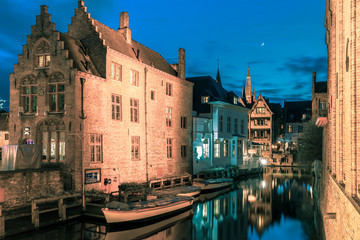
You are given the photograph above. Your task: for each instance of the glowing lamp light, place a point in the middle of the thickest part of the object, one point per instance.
(251, 198)
(263, 161)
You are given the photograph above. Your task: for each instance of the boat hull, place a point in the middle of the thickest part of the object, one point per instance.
(211, 187)
(145, 214)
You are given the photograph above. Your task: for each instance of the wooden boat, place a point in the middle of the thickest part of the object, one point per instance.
(210, 185)
(182, 191)
(139, 232)
(147, 210)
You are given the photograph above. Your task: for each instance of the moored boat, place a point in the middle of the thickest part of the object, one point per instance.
(209, 185)
(146, 210)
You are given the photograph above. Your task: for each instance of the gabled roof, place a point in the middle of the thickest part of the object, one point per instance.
(260, 98)
(116, 41)
(320, 87)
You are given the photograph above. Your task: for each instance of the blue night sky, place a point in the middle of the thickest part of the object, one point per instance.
(282, 41)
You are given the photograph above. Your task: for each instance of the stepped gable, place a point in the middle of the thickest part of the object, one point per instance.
(116, 41)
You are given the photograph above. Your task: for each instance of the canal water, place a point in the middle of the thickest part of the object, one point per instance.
(278, 204)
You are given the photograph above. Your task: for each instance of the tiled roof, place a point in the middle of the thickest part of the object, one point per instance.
(116, 41)
(207, 86)
(295, 110)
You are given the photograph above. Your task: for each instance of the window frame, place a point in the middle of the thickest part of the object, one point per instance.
(169, 89)
(168, 116)
(134, 110)
(169, 148)
(116, 71)
(116, 107)
(183, 122)
(30, 97)
(96, 148)
(58, 94)
(183, 151)
(134, 77)
(135, 146)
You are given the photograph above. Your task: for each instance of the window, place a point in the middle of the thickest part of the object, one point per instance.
(205, 99)
(169, 89)
(152, 95)
(183, 122)
(239, 148)
(57, 97)
(221, 123)
(135, 148)
(217, 148)
(134, 77)
(169, 152)
(206, 148)
(134, 110)
(242, 126)
(42, 60)
(300, 128)
(116, 71)
(6, 136)
(226, 148)
(322, 105)
(116, 107)
(228, 124)
(52, 141)
(183, 151)
(168, 116)
(235, 100)
(96, 148)
(29, 98)
(290, 128)
(235, 125)
(233, 142)
(260, 110)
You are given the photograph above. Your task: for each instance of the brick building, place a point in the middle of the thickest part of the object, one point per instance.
(4, 132)
(340, 182)
(101, 103)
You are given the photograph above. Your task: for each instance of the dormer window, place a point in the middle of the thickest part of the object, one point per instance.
(205, 99)
(43, 60)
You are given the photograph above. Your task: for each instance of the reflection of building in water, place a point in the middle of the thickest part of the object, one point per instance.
(221, 218)
(260, 210)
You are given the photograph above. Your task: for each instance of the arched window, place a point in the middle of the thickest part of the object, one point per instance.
(52, 138)
(42, 55)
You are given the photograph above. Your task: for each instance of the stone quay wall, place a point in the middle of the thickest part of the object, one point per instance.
(21, 187)
(340, 212)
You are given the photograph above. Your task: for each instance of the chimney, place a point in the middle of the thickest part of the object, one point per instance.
(181, 72)
(44, 9)
(124, 26)
(313, 81)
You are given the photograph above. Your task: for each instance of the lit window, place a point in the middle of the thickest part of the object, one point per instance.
(116, 71)
(96, 148)
(206, 148)
(169, 89)
(205, 99)
(135, 148)
(134, 77)
(322, 105)
(43, 60)
(217, 148)
(260, 110)
(116, 107)
(53, 146)
(134, 110)
(226, 148)
(168, 116)
(29, 98)
(235, 100)
(57, 97)
(169, 152)
(290, 128)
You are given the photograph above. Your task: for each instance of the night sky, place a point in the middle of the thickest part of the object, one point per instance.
(282, 41)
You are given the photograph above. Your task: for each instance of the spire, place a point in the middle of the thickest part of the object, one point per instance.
(218, 79)
(248, 88)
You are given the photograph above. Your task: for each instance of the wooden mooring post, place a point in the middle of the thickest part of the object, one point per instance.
(2, 223)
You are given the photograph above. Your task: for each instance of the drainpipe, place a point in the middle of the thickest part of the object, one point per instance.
(82, 117)
(146, 130)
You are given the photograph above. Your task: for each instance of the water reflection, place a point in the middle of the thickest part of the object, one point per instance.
(277, 204)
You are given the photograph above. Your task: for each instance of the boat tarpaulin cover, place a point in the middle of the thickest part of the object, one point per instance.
(22, 156)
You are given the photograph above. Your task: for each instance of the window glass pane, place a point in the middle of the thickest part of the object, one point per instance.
(61, 88)
(34, 90)
(44, 145)
(47, 60)
(53, 146)
(61, 102)
(62, 146)
(53, 102)
(34, 104)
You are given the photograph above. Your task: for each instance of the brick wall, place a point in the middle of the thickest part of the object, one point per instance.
(22, 187)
